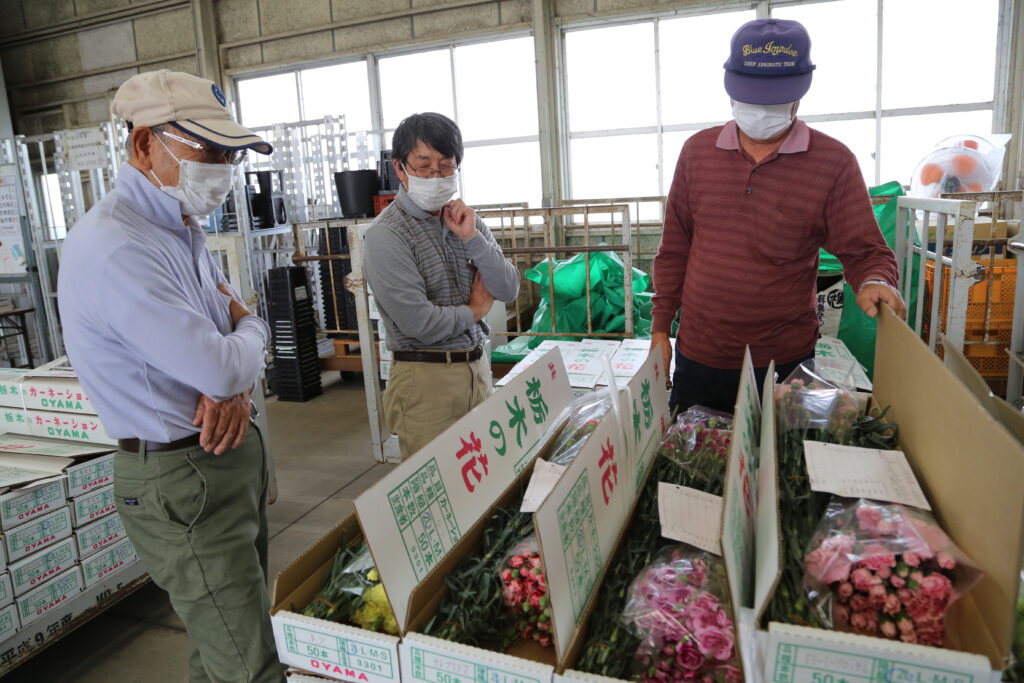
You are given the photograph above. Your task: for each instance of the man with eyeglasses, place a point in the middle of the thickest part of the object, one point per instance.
(169, 354)
(435, 270)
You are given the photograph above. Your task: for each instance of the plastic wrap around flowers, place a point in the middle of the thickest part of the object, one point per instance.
(524, 590)
(885, 570)
(679, 607)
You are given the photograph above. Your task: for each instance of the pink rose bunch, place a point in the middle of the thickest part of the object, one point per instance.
(686, 629)
(885, 570)
(524, 590)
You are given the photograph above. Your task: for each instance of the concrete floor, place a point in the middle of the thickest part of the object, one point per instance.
(322, 453)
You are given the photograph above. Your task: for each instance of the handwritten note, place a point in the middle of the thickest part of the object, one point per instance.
(863, 473)
(691, 516)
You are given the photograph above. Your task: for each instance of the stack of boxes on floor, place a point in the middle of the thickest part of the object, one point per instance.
(60, 533)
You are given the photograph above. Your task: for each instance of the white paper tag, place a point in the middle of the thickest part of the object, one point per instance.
(545, 476)
(863, 473)
(690, 516)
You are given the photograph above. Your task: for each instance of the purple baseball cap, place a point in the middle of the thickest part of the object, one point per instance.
(769, 62)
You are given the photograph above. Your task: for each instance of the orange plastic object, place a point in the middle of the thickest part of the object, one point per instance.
(964, 165)
(930, 173)
(974, 187)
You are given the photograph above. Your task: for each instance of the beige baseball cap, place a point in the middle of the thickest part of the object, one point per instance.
(195, 105)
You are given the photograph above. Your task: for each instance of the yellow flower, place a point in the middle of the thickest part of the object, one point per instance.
(375, 614)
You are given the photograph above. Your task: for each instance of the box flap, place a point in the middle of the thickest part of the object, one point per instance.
(415, 516)
(14, 443)
(961, 368)
(768, 544)
(972, 469)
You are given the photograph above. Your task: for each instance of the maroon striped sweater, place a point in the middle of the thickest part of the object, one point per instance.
(739, 251)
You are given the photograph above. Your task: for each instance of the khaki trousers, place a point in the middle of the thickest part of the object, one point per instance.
(424, 399)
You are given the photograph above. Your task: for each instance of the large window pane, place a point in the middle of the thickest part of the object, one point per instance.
(268, 100)
(502, 173)
(335, 90)
(844, 46)
(671, 146)
(415, 83)
(611, 77)
(938, 52)
(907, 139)
(859, 136)
(692, 52)
(615, 166)
(496, 107)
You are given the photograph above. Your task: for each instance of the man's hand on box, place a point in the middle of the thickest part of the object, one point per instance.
(872, 296)
(224, 425)
(460, 219)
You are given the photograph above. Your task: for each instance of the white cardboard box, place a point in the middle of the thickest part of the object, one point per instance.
(40, 533)
(9, 622)
(50, 387)
(6, 589)
(51, 425)
(111, 560)
(50, 595)
(31, 501)
(100, 534)
(88, 508)
(90, 475)
(38, 568)
(430, 660)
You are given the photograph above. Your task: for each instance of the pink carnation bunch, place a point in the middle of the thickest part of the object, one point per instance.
(524, 591)
(677, 605)
(886, 570)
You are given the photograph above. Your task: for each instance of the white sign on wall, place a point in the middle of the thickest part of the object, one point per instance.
(12, 244)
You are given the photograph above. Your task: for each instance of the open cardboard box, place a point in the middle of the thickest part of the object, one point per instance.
(971, 468)
(579, 525)
(414, 520)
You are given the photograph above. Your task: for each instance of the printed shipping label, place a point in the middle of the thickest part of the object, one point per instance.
(38, 534)
(334, 651)
(40, 567)
(691, 516)
(19, 507)
(9, 622)
(99, 566)
(94, 505)
(90, 475)
(94, 537)
(863, 473)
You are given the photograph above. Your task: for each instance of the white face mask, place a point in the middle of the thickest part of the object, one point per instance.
(201, 187)
(763, 121)
(430, 194)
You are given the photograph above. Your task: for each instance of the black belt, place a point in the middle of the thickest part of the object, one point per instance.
(440, 356)
(135, 445)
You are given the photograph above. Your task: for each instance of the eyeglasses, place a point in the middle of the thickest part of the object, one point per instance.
(211, 155)
(444, 171)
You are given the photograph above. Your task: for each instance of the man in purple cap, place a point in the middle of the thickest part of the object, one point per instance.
(751, 204)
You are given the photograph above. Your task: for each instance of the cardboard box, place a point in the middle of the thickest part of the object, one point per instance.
(9, 622)
(50, 595)
(101, 534)
(92, 506)
(57, 621)
(40, 533)
(113, 559)
(64, 426)
(53, 386)
(40, 567)
(90, 475)
(419, 513)
(29, 502)
(972, 470)
(6, 589)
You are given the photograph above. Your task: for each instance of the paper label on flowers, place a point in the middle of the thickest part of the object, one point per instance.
(415, 515)
(578, 524)
(863, 473)
(545, 476)
(690, 516)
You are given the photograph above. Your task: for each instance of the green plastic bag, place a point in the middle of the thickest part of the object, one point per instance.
(856, 329)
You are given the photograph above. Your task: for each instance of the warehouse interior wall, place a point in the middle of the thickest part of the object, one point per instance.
(63, 59)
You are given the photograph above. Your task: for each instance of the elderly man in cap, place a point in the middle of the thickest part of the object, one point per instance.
(169, 355)
(751, 203)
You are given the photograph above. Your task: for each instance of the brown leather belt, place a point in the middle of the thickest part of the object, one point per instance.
(135, 445)
(440, 356)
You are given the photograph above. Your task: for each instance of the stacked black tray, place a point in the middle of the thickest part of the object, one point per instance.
(290, 308)
(339, 303)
